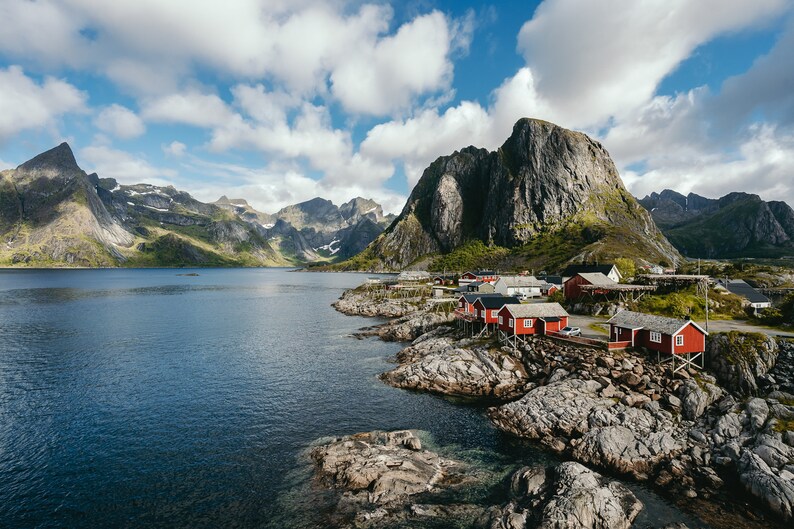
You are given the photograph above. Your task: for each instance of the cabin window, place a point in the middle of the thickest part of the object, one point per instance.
(494, 313)
(679, 340)
(500, 320)
(511, 323)
(656, 337)
(528, 323)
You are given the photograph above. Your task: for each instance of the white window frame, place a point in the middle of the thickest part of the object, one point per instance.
(500, 320)
(679, 340)
(528, 323)
(494, 313)
(655, 337)
(511, 322)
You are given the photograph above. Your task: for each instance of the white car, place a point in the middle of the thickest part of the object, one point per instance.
(571, 331)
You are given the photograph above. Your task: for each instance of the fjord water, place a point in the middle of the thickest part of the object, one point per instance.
(147, 397)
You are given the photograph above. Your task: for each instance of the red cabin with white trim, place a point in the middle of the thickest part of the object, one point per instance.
(532, 318)
(657, 333)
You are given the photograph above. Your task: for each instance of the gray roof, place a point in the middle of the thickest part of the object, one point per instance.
(474, 296)
(741, 288)
(638, 320)
(496, 302)
(596, 278)
(520, 281)
(572, 270)
(537, 310)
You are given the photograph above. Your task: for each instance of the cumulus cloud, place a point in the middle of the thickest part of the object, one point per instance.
(384, 77)
(596, 60)
(147, 46)
(28, 104)
(191, 108)
(120, 122)
(175, 148)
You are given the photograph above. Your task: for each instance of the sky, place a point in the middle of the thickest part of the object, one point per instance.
(280, 101)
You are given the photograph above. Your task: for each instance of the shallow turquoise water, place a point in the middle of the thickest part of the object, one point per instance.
(143, 397)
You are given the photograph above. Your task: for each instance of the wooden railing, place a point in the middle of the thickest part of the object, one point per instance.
(618, 345)
(578, 339)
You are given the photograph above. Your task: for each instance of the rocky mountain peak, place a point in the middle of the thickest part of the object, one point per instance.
(55, 162)
(545, 182)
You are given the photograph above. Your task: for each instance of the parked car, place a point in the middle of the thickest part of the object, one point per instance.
(571, 331)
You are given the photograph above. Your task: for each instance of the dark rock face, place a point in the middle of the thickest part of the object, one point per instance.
(739, 360)
(543, 179)
(736, 225)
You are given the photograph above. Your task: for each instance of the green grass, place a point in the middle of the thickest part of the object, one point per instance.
(687, 302)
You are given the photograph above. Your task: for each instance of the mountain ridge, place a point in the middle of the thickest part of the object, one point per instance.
(52, 213)
(737, 224)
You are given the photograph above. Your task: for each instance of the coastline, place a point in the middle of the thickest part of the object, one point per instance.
(691, 484)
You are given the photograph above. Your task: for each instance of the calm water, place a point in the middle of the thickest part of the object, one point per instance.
(141, 397)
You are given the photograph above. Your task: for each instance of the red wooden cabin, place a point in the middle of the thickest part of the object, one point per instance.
(486, 309)
(485, 276)
(657, 333)
(571, 287)
(532, 318)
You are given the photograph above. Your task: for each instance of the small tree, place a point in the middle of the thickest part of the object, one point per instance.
(626, 267)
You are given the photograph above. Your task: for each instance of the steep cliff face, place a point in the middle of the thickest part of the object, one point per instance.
(736, 225)
(546, 186)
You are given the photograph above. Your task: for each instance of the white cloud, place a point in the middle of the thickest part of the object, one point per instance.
(763, 164)
(26, 104)
(191, 108)
(123, 166)
(175, 148)
(120, 122)
(385, 77)
(148, 46)
(596, 60)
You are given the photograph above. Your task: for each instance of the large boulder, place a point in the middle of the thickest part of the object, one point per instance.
(697, 395)
(570, 496)
(766, 483)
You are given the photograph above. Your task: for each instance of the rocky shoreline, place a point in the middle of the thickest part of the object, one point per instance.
(692, 434)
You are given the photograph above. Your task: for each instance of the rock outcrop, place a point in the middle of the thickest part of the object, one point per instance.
(569, 496)
(544, 182)
(570, 416)
(739, 360)
(443, 365)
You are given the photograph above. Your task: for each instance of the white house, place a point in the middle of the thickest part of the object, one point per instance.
(528, 286)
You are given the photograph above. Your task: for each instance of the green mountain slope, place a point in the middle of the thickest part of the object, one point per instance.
(736, 225)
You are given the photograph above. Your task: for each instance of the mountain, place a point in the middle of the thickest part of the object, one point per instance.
(546, 197)
(52, 213)
(736, 225)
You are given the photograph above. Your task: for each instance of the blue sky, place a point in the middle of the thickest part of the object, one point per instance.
(279, 101)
